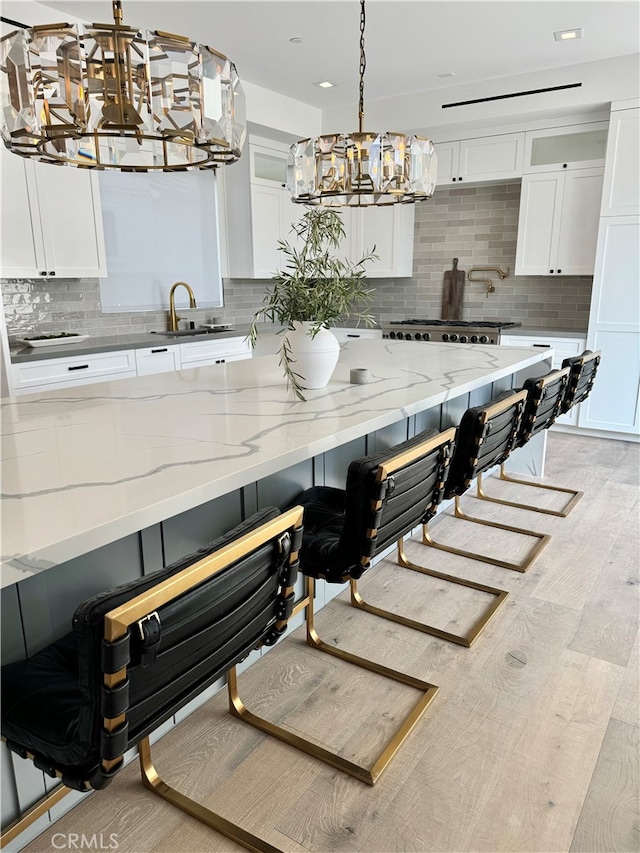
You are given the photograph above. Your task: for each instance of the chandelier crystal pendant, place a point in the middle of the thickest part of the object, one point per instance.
(108, 96)
(362, 169)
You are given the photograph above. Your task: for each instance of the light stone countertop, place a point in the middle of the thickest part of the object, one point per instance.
(87, 466)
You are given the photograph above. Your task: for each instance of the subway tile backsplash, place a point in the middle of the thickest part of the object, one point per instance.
(478, 225)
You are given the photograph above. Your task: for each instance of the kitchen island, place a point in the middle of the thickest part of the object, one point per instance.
(85, 468)
(105, 483)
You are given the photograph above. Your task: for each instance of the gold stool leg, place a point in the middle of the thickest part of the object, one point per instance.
(543, 539)
(152, 781)
(37, 810)
(563, 513)
(461, 639)
(364, 774)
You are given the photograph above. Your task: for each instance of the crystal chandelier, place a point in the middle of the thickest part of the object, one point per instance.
(108, 96)
(362, 169)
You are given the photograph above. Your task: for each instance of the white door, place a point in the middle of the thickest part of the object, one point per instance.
(539, 223)
(621, 194)
(579, 220)
(22, 242)
(614, 328)
(448, 154)
(71, 217)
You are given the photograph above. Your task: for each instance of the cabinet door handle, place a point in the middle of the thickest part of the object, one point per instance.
(551, 271)
(43, 272)
(547, 346)
(352, 336)
(78, 367)
(459, 179)
(52, 272)
(559, 271)
(159, 350)
(454, 179)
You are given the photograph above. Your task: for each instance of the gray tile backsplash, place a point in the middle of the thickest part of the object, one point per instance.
(477, 225)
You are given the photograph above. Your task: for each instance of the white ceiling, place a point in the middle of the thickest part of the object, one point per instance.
(408, 42)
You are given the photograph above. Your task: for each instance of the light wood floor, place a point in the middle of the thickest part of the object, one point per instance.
(531, 743)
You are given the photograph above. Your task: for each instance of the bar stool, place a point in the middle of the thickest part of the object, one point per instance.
(545, 396)
(485, 438)
(583, 373)
(138, 653)
(387, 494)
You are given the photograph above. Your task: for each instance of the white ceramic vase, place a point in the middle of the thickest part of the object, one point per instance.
(313, 359)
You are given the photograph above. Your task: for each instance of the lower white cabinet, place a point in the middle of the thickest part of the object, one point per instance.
(157, 359)
(31, 377)
(202, 353)
(48, 374)
(563, 348)
(344, 334)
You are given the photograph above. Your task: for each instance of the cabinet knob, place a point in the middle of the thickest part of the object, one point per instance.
(564, 165)
(53, 272)
(551, 271)
(459, 179)
(454, 179)
(43, 272)
(559, 271)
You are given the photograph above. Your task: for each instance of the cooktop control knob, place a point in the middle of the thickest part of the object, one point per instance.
(408, 336)
(392, 335)
(474, 339)
(426, 336)
(445, 336)
(484, 339)
(464, 339)
(418, 336)
(453, 337)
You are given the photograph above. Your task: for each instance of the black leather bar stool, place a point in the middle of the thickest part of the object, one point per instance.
(545, 396)
(485, 437)
(583, 373)
(387, 495)
(140, 652)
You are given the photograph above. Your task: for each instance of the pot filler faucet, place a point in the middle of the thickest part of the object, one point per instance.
(173, 318)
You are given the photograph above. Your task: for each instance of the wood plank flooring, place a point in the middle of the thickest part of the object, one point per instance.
(531, 744)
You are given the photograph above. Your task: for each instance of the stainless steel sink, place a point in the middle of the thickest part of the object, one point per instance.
(189, 333)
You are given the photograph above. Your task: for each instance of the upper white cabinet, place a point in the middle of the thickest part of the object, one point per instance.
(558, 223)
(621, 190)
(51, 221)
(388, 231)
(487, 158)
(259, 212)
(572, 147)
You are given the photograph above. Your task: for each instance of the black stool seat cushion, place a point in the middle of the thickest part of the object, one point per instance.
(51, 702)
(337, 521)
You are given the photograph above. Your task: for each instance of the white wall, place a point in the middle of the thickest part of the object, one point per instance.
(602, 82)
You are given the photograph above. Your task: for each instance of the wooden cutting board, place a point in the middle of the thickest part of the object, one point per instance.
(453, 293)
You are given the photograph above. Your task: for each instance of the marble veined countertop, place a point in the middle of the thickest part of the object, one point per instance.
(87, 466)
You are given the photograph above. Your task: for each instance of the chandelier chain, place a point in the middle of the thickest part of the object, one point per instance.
(363, 65)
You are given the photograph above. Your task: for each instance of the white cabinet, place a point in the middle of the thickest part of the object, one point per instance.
(390, 230)
(621, 190)
(259, 212)
(47, 374)
(51, 221)
(614, 328)
(159, 359)
(345, 334)
(579, 146)
(486, 158)
(558, 223)
(562, 348)
(202, 353)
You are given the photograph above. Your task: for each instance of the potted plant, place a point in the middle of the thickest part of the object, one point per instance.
(313, 291)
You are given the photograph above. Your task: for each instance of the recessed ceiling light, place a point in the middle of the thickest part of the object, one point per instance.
(296, 40)
(447, 74)
(326, 84)
(567, 35)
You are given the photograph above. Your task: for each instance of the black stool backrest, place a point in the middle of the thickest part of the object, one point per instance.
(583, 373)
(390, 493)
(545, 396)
(146, 648)
(485, 437)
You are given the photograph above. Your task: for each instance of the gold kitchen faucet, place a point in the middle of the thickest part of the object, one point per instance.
(173, 318)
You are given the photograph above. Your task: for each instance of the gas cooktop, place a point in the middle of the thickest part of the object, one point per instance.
(478, 324)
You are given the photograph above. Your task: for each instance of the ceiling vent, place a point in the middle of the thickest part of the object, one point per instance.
(512, 95)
